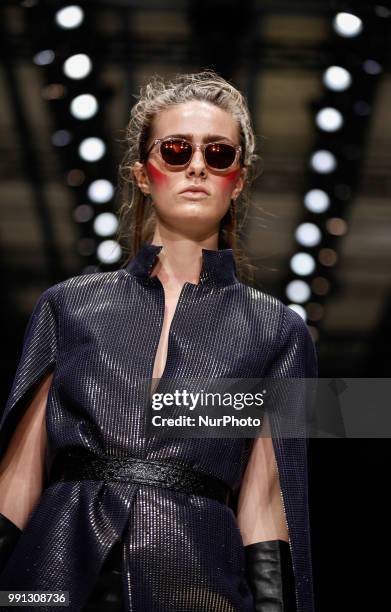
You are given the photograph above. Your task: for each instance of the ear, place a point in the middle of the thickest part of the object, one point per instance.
(141, 177)
(240, 182)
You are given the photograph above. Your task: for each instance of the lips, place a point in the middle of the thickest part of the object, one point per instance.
(195, 190)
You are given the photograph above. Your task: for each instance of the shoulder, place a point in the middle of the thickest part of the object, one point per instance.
(81, 286)
(292, 349)
(277, 316)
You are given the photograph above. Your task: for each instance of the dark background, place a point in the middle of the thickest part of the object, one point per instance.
(276, 52)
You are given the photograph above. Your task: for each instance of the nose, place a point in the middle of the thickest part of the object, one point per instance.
(197, 165)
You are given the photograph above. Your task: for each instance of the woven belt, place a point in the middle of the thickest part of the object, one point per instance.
(79, 464)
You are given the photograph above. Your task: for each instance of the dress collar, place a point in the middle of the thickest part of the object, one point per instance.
(218, 266)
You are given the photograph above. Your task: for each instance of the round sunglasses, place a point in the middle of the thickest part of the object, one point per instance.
(177, 152)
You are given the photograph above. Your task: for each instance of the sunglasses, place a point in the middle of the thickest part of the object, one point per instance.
(177, 152)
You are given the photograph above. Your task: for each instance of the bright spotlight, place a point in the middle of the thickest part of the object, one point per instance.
(91, 149)
(316, 200)
(323, 161)
(347, 24)
(337, 78)
(298, 291)
(308, 234)
(69, 17)
(84, 106)
(109, 251)
(329, 119)
(302, 264)
(100, 191)
(77, 66)
(105, 224)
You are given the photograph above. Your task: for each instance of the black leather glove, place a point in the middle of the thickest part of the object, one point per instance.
(269, 573)
(9, 535)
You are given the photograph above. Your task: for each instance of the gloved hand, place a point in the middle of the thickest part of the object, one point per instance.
(9, 535)
(269, 573)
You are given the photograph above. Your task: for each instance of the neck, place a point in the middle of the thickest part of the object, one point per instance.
(218, 266)
(181, 259)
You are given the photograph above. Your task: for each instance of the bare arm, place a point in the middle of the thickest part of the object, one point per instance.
(23, 465)
(260, 513)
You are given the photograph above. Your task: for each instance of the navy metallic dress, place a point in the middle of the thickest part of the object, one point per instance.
(100, 333)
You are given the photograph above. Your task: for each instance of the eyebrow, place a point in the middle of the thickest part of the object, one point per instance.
(207, 138)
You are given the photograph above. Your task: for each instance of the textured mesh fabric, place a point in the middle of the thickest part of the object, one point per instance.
(99, 333)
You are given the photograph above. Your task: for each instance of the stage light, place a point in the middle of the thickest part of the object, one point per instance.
(44, 57)
(316, 200)
(320, 285)
(308, 234)
(61, 138)
(329, 119)
(298, 291)
(77, 66)
(105, 224)
(91, 149)
(327, 257)
(323, 161)
(100, 191)
(83, 213)
(302, 264)
(336, 226)
(109, 251)
(361, 108)
(347, 24)
(84, 106)
(54, 91)
(371, 66)
(299, 309)
(314, 311)
(75, 177)
(337, 78)
(69, 17)
(382, 11)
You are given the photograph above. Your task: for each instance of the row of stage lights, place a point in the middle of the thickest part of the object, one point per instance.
(324, 162)
(83, 107)
(329, 119)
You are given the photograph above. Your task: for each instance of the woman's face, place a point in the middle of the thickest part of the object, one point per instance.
(200, 122)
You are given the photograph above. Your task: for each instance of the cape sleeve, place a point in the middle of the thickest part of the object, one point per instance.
(295, 358)
(38, 356)
(296, 355)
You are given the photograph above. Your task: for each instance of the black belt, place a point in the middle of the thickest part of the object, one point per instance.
(79, 464)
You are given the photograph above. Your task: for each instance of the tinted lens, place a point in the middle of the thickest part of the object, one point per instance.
(175, 152)
(220, 155)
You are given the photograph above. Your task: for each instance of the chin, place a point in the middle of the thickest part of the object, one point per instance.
(200, 220)
(189, 209)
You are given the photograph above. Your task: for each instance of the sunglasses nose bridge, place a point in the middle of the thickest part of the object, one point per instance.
(198, 155)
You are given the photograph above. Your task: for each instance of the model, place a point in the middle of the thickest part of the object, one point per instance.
(93, 504)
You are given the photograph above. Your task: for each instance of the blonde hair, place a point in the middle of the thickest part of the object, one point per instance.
(137, 218)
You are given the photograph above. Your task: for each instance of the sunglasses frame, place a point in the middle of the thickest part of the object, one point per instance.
(195, 147)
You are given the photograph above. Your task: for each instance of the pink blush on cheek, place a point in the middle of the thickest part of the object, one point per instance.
(158, 177)
(228, 179)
